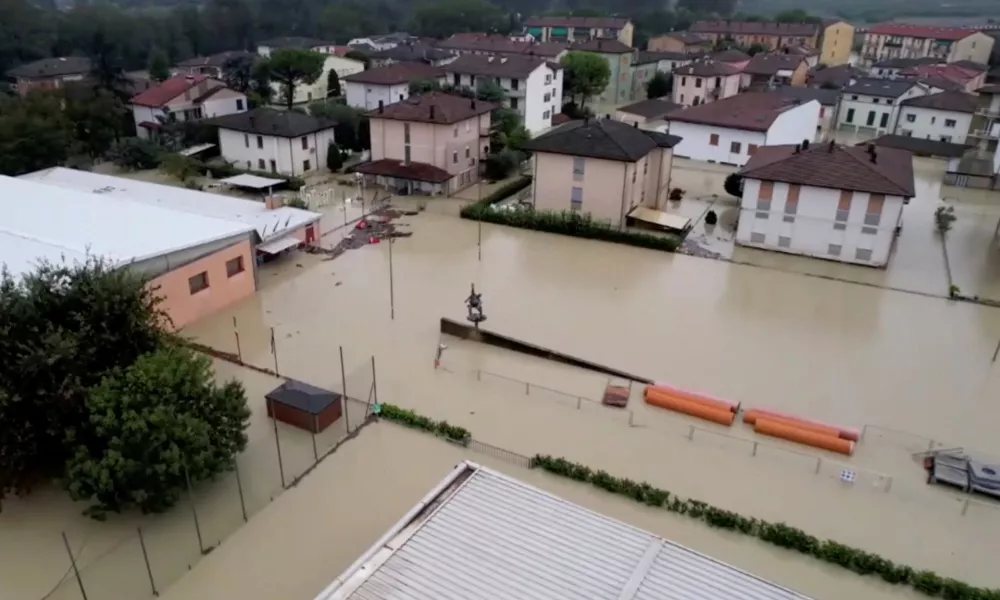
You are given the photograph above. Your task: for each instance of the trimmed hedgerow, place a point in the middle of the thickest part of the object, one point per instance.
(408, 418)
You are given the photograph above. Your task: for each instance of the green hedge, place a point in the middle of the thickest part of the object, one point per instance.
(777, 534)
(568, 223)
(507, 190)
(408, 418)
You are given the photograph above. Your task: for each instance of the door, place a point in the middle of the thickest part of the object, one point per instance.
(871, 118)
(310, 234)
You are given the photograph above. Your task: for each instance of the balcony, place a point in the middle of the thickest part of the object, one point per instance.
(988, 113)
(986, 134)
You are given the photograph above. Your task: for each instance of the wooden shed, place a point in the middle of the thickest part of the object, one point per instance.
(304, 406)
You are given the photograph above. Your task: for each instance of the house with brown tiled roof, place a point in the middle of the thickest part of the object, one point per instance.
(731, 130)
(767, 70)
(575, 29)
(769, 34)
(704, 81)
(826, 201)
(388, 84)
(213, 65)
(944, 117)
(428, 144)
(483, 43)
(183, 98)
(681, 42)
(947, 44)
(49, 73)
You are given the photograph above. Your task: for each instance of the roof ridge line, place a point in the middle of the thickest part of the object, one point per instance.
(868, 165)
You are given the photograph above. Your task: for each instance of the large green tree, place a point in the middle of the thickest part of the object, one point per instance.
(585, 75)
(159, 65)
(442, 18)
(34, 134)
(293, 67)
(156, 426)
(659, 85)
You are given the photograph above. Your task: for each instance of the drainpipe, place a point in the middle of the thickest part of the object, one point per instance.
(659, 177)
(621, 218)
(291, 155)
(534, 183)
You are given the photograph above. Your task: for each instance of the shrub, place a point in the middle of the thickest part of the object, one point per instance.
(506, 191)
(711, 218)
(944, 217)
(500, 165)
(334, 159)
(135, 154)
(676, 194)
(733, 185)
(408, 418)
(297, 203)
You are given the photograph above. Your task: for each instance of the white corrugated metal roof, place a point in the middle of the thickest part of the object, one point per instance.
(497, 538)
(268, 223)
(40, 221)
(252, 181)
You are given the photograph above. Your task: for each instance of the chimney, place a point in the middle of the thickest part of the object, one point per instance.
(381, 106)
(489, 60)
(473, 104)
(272, 202)
(805, 144)
(874, 155)
(798, 148)
(833, 145)
(432, 112)
(503, 60)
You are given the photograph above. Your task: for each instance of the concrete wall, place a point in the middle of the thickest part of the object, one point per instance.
(930, 124)
(288, 154)
(366, 96)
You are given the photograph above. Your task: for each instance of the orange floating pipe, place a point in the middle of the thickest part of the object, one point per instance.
(690, 407)
(843, 433)
(752, 416)
(696, 396)
(791, 433)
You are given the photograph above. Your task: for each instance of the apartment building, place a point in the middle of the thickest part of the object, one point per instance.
(944, 116)
(483, 43)
(681, 42)
(619, 57)
(580, 29)
(279, 141)
(418, 52)
(874, 103)
(769, 34)
(829, 101)
(183, 98)
(836, 43)
(946, 44)
(385, 85)
(705, 81)
(765, 71)
(985, 130)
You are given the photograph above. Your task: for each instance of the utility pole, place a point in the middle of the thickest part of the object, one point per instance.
(392, 292)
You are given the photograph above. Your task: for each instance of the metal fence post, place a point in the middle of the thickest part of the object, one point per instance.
(239, 350)
(343, 401)
(313, 432)
(239, 488)
(374, 382)
(194, 511)
(76, 571)
(145, 557)
(277, 443)
(274, 352)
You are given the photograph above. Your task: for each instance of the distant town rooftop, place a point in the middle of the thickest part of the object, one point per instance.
(433, 107)
(587, 22)
(952, 34)
(749, 111)
(481, 535)
(755, 28)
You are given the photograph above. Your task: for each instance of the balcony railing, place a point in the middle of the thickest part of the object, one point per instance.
(985, 134)
(986, 112)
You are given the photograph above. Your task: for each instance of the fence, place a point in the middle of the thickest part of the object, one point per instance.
(133, 556)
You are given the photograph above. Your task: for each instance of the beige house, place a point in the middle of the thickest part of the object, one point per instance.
(428, 144)
(705, 81)
(680, 41)
(771, 35)
(836, 42)
(647, 114)
(578, 29)
(948, 44)
(601, 167)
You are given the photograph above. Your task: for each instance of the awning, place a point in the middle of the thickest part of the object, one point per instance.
(194, 150)
(280, 244)
(660, 219)
(253, 182)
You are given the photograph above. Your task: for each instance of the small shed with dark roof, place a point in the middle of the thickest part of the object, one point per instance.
(304, 406)
(920, 147)
(60, 66)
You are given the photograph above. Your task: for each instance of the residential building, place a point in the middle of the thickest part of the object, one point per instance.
(601, 167)
(944, 116)
(483, 43)
(731, 130)
(533, 85)
(212, 66)
(278, 141)
(834, 78)
(732, 57)
(948, 44)
(666, 62)
(768, 34)
(644, 68)
(892, 68)
(648, 114)
(765, 71)
(428, 144)
(385, 85)
(49, 73)
(705, 81)
(619, 58)
(266, 47)
(183, 98)
(809, 55)
(580, 29)
(198, 250)
(952, 75)
(874, 103)
(681, 42)
(411, 52)
(317, 90)
(826, 201)
(829, 101)
(382, 42)
(836, 41)
(985, 130)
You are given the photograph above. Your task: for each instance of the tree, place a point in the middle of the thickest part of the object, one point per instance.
(660, 85)
(98, 118)
(733, 185)
(490, 91)
(237, 72)
(585, 76)
(156, 426)
(159, 66)
(135, 154)
(359, 56)
(332, 84)
(347, 122)
(422, 86)
(334, 159)
(106, 65)
(64, 328)
(508, 131)
(293, 67)
(441, 18)
(34, 133)
(756, 49)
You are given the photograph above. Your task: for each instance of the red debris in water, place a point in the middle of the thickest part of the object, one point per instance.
(373, 240)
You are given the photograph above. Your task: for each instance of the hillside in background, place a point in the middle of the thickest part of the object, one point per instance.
(936, 12)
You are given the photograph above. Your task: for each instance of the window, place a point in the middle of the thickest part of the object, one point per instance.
(239, 104)
(751, 148)
(697, 82)
(513, 103)
(843, 210)
(946, 138)
(260, 164)
(911, 118)
(766, 191)
(260, 143)
(234, 266)
(246, 140)
(713, 140)
(757, 238)
(833, 249)
(576, 199)
(735, 147)
(933, 120)
(468, 126)
(885, 120)
(949, 123)
(822, 112)
(863, 254)
(854, 97)
(457, 80)
(455, 133)
(454, 157)
(406, 154)
(850, 115)
(198, 283)
(406, 133)
(305, 165)
(546, 114)
(578, 168)
(468, 153)
(784, 242)
(305, 143)
(274, 166)
(548, 97)
(645, 165)
(684, 81)
(682, 98)
(875, 101)
(514, 82)
(871, 118)
(792, 203)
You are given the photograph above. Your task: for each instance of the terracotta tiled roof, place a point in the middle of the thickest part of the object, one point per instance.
(653, 108)
(770, 64)
(498, 44)
(946, 71)
(415, 171)
(690, 39)
(730, 56)
(396, 73)
(750, 111)
(825, 97)
(215, 60)
(919, 146)
(707, 68)
(433, 107)
(589, 22)
(601, 46)
(755, 28)
(921, 31)
(881, 88)
(606, 139)
(840, 76)
(859, 168)
(649, 55)
(489, 65)
(412, 52)
(950, 101)
(52, 67)
(157, 96)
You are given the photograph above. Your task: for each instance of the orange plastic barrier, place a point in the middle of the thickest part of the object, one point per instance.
(697, 397)
(791, 433)
(751, 416)
(689, 407)
(843, 433)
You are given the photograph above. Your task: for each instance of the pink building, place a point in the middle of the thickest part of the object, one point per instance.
(602, 167)
(705, 81)
(429, 144)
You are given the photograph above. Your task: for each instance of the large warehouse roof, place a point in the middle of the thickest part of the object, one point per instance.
(45, 222)
(268, 223)
(483, 536)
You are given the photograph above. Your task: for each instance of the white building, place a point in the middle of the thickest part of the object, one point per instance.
(731, 130)
(827, 201)
(482, 534)
(317, 90)
(183, 98)
(415, 52)
(901, 40)
(277, 141)
(386, 85)
(533, 85)
(382, 42)
(874, 103)
(828, 100)
(266, 47)
(945, 116)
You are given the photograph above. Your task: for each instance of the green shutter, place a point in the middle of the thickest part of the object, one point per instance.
(559, 32)
(535, 31)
